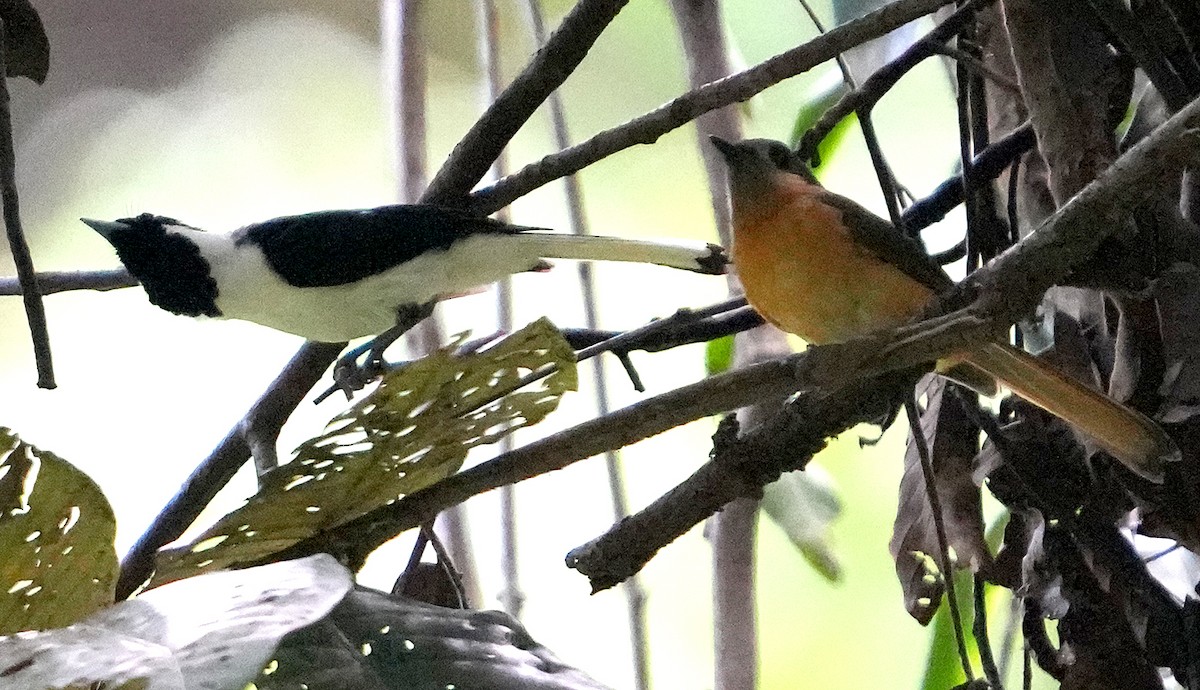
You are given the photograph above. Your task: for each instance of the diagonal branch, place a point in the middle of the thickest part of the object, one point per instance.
(736, 88)
(550, 67)
(1005, 289)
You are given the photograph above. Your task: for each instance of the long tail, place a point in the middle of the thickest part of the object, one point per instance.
(1128, 435)
(696, 256)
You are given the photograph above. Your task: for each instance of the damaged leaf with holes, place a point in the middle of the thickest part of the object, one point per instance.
(377, 641)
(57, 562)
(213, 632)
(413, 430)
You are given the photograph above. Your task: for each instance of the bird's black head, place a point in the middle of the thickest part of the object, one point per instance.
(168, 264)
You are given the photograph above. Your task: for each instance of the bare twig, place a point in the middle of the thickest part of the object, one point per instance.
(35, 311)
(976, 65)
(647, 128)
(879, 83)
(979, 630)
(986, 166)
(548, 69)
(50, 282)
(731, 532)
(512, 598)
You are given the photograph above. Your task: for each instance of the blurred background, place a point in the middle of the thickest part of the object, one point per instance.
(224, 112)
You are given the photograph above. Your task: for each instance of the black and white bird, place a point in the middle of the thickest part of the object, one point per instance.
(337, 275)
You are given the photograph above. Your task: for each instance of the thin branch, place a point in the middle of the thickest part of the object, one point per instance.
(736, 88)
(50, 282)
(730, 533)
(986, 166)
(548, 69)
(512, 598)
(939, 526)
(882, 81)
(35, 311)
(976, 66)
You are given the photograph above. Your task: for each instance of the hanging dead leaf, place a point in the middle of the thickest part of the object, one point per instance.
(953, 440)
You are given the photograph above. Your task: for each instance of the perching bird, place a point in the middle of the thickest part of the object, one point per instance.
(820, 266)
(337, 275)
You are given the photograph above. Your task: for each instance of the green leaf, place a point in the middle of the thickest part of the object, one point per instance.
(805, 504)
(412, 431)
(718, 355)
(57, 562)
(822, 98)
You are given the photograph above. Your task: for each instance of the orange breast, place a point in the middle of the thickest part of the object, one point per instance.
(802, 271)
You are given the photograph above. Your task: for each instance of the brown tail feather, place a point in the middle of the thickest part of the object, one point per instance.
(1128, 435)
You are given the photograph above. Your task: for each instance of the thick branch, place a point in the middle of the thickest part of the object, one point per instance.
(1046, 255)
(739, 87)
(785, 441)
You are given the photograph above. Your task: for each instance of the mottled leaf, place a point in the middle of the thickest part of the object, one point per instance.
(805, 504)
(953, 440)
(374, 641)
(211, 632)
(412, 431)
(57, 561)
(26, 48)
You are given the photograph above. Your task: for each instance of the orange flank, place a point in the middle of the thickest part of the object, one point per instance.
(820, 266)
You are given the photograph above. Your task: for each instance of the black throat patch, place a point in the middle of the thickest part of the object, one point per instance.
(169, 266)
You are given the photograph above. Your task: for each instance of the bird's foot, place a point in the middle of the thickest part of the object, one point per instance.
(351, 376)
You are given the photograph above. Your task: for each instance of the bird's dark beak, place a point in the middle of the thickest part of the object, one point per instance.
(106, 228)
(727, 149)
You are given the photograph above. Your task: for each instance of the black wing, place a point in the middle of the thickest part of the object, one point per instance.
(330, 248)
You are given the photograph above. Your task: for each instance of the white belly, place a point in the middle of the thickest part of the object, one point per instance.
(252, 292)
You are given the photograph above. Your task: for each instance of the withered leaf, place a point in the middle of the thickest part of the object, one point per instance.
(953, 440)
